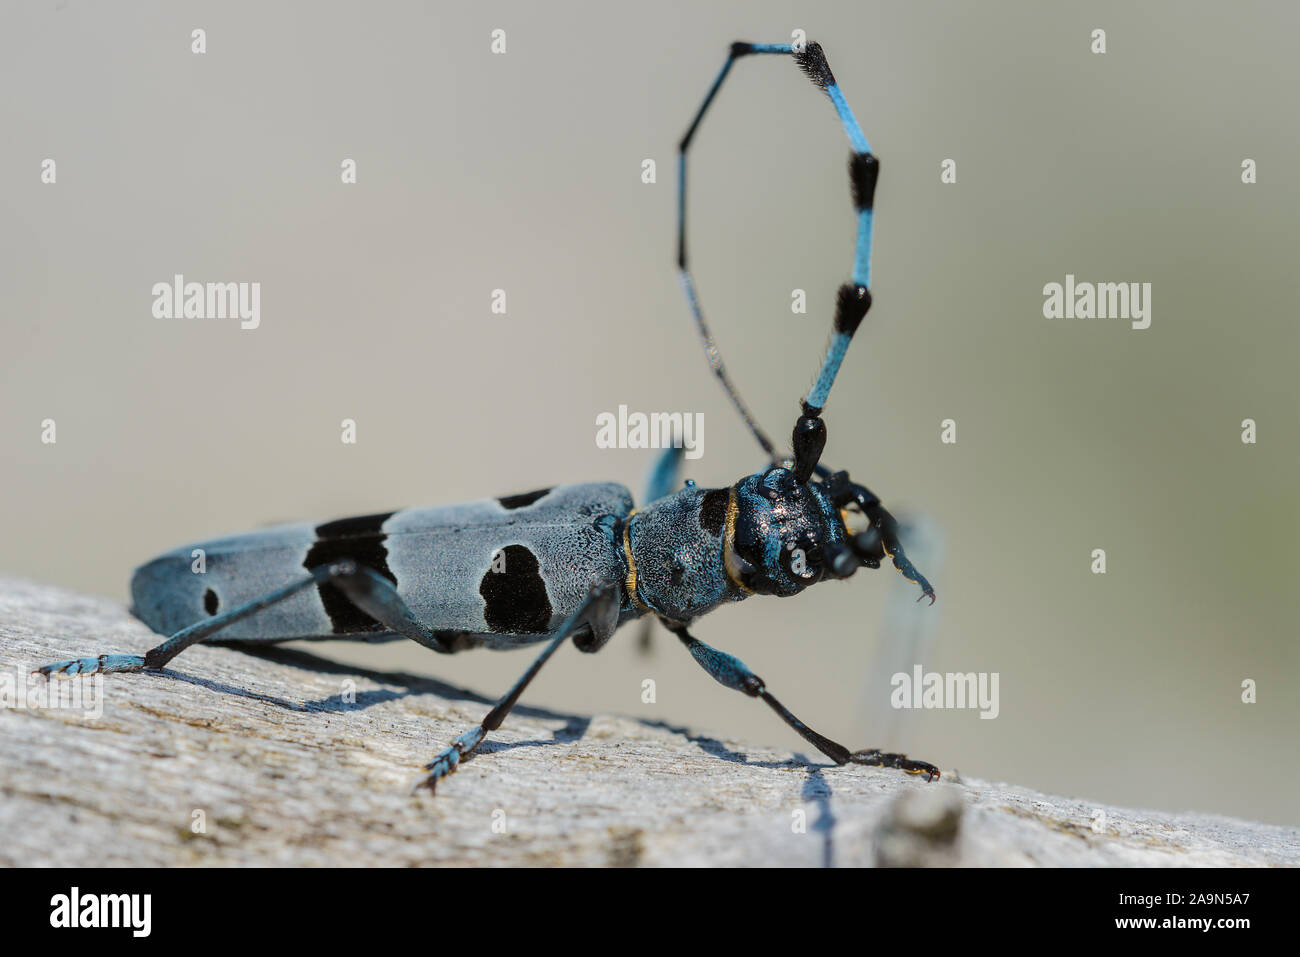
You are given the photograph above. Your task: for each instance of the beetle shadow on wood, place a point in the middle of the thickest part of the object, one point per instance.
(408, 684)
(816, 789)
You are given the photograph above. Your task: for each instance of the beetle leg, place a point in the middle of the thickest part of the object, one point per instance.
(731, 672)
(375, 595)
(366, 588)
(881, 538)
(874, 757)
(173, 646)
(887, 528)
(664, 474)
(594, 612)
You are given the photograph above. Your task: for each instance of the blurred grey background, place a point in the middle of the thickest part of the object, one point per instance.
(522, 171)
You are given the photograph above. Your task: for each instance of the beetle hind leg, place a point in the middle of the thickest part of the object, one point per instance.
(366, 588)
(158, 657)
(101, 665)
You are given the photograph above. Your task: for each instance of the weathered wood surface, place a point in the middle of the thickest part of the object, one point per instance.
(282, 765)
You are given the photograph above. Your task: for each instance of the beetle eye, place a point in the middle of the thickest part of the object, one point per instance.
(803, 559)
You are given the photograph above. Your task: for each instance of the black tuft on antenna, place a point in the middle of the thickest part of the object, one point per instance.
(813, 62)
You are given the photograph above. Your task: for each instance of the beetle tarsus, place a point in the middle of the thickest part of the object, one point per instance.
(101, 664)
(874, 757)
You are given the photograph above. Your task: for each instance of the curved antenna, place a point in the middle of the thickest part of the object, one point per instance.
(853, 299)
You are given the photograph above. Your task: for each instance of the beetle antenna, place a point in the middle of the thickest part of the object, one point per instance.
(853, 299)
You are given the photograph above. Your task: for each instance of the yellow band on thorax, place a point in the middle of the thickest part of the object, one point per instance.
(728, 546)
(631, 563)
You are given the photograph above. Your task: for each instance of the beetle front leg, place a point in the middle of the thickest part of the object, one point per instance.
(731, 672)
(881, 539)
(874, 757)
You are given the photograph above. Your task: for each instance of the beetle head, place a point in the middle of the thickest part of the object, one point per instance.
(782, 534)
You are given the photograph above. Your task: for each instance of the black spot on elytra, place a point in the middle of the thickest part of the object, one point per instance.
(516, 601)
(210, 602)
(522, 500)
(362, 540)
(713, 510)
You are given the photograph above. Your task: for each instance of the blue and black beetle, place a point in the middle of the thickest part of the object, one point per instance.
(575, 561)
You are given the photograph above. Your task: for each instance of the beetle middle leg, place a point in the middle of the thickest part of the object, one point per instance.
(731, 672)
(664, 474)
(599, 612)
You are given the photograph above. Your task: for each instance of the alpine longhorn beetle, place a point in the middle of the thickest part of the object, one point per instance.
(574, 561)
